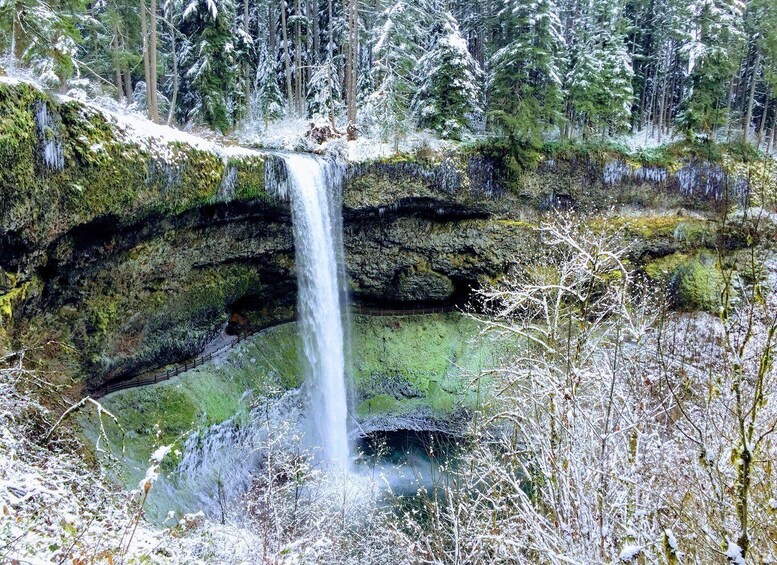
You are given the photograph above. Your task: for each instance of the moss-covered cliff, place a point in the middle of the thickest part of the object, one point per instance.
(110, 240)
(122, 252)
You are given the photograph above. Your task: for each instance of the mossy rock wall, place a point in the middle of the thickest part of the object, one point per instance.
(119, 255)
(118, 249)
(98, 171)
(405, 371)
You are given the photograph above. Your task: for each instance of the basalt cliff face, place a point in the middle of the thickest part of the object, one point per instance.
(120, 253)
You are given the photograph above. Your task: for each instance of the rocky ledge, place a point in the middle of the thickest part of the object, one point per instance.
(121, 252)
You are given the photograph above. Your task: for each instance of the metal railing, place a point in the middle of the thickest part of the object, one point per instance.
(158, 375)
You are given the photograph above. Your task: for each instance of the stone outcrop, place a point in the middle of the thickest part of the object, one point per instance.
(118, 254)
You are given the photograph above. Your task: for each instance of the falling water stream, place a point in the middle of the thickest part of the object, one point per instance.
(314, 190)
(219, 464)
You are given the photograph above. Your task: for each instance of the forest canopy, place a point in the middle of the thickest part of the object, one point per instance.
(525, 69)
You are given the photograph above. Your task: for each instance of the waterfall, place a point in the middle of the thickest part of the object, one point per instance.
(313, 187)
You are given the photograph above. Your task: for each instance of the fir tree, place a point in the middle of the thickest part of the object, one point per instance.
(208, 62)
(449, 94)
(43, 36)
(526, 73)
(267, 97)
(600, 80)
(394, 56)
(713, 63)
(324, 92)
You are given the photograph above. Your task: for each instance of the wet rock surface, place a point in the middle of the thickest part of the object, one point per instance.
(116, 257)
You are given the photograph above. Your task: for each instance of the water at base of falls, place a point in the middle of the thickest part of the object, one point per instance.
(313, 187)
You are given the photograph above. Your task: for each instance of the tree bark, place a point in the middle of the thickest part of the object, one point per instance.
(351, 79)
(330, 56)
(751, 95)
(17, 42)
(126, 72)
(154, 106)
(246, 65)
(174, 54)
(117, 65)
(762, 127)
(149, 59)
(313, 13)
(298, 56)
(146, 59)
(286, 57)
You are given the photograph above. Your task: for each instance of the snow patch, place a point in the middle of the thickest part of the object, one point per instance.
(630, 552)
(734, 554)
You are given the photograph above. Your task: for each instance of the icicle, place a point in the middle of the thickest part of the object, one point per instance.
(227, 188)
(52, 151)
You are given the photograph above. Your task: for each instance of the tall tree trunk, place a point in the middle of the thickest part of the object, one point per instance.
(762, 127)
(174, 55)
(146, 58)
(117, 65)
(313, 13)
(652, 104)
(351, 79)
(286, 57)
(662, 118)
(154, 106)
(271, 27)
(17, 33)
(246, 65)
(729, 102)
(298, 56)
(751, 95)
(126, 72)
(330, 51)
(480, 48)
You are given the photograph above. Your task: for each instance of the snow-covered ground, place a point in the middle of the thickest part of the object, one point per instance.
(54, 508)
(289, 134)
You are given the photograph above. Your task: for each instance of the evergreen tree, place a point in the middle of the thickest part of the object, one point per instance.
(43, 36)
(395, 53)
(600, 79)
(267, 97)
(660, 33)
(244, 56)
(526, 73)
(208, 63)
(449, 94)
(324, 92)
(713, 63)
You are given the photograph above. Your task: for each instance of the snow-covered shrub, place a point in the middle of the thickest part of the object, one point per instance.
(619, 432)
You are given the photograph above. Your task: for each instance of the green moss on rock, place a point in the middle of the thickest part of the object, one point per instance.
(104, 173)
(698, 284)
(423, 363)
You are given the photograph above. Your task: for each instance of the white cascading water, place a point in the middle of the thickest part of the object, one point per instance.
(314, 191)
(219, 464)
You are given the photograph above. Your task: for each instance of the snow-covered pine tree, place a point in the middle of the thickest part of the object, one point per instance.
(395, 53)
(268, 100)
(43, 36)
(208, 62)
(660, 61)
(105, 33)
(526, 73)
(713, 60)
(324, 93)
(245, 55)
(767, 43)
(599, 86)
(449, 95)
